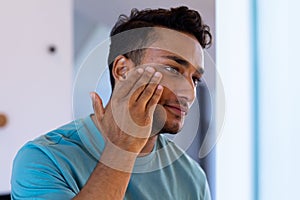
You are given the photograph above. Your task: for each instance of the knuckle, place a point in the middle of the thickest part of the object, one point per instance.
(157, 94)
(148, 91)
(133, 105)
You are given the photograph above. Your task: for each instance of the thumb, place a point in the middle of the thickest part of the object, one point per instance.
(97, 105)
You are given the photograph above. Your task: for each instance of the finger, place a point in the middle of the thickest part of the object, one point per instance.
(155, 97)
(97, 105)
(141, 84)
(150, 89)
(125, 86)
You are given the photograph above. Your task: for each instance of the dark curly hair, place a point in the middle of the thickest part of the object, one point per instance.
(181, 19)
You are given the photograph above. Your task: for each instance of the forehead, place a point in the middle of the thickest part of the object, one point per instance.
(183, 45)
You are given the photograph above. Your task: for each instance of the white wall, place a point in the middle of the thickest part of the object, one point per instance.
(234, 172)
(35, 86)
(278, 25)
(260, 73)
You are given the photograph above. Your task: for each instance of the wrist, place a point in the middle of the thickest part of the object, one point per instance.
(117, 158)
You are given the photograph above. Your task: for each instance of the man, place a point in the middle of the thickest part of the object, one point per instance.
(120, 152)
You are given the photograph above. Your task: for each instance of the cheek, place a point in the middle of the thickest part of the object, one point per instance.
(169, 82)
(172, 82)
(177, 85)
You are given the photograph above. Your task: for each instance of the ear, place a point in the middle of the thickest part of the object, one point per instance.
(121, 67)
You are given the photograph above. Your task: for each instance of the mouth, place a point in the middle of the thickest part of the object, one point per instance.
(177, 109)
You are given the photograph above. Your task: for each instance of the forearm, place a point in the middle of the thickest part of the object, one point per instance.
(110, 177)
(134, 107)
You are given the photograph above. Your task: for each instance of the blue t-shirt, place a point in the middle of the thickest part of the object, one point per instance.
(57, 166)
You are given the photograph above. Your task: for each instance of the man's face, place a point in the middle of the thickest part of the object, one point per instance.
(179, 80)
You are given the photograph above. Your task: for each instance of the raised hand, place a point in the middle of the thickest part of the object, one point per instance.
(127, 119)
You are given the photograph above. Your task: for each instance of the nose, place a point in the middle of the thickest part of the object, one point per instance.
(186, 90)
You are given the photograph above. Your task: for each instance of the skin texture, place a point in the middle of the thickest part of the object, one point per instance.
(161, 89)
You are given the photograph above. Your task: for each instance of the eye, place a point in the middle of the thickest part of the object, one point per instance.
(172, 69)
(197, 81)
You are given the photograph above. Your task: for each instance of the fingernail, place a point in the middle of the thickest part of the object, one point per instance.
(92, 95)
(157, 74)
(159, 87)
(150, 69)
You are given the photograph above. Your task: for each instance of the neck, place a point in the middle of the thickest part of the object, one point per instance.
(149, 146)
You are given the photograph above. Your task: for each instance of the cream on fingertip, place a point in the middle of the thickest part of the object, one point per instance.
(140, 70)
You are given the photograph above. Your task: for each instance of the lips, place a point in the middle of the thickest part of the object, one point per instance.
(177, 109)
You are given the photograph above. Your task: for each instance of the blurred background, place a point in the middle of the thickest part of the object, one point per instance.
(50, 55)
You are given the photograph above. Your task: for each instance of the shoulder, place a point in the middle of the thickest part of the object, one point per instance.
(33, 169)
(55, 144)
(44, 160)
(67, 132)
(37, 150)
(42, 151)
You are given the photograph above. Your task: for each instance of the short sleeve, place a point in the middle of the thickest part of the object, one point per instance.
(35, 176)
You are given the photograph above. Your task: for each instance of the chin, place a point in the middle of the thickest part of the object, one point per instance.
(168, 127)
(172, 128)
(165, 122)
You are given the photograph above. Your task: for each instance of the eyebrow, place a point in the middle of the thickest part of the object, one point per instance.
(183, 62)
